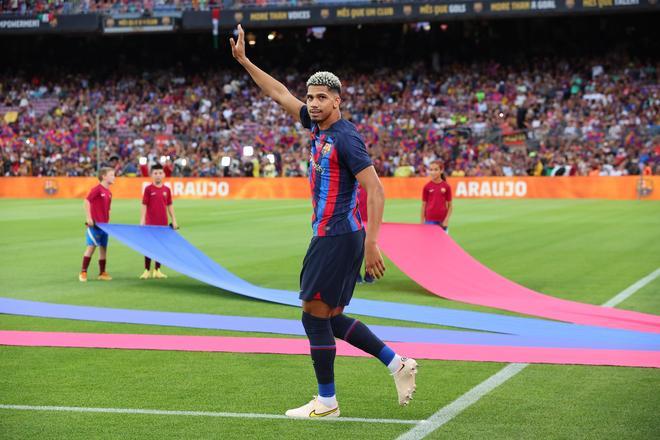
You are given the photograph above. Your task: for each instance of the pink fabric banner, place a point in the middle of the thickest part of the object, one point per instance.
(455, 352)
(434, 261)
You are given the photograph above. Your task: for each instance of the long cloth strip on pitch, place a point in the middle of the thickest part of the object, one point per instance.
(618, 340)
(171, 249)
(436, 262)
(458, 352)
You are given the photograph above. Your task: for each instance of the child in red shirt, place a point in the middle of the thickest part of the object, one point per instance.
(436, 198)
(156, 205)
(97, 210)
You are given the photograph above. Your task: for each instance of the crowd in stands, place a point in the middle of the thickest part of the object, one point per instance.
(25, 7)
(548, 117)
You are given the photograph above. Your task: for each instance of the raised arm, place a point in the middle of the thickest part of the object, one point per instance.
(269, 85)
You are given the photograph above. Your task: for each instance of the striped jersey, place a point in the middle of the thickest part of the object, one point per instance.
(337, 155)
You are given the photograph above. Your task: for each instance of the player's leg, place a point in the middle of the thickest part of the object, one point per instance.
(318, 289)
(91, 242)
(102, 238)
(359, 335)
(158, 273)
(356, 333)
(316, 321)
(87, 258)
(147, 269)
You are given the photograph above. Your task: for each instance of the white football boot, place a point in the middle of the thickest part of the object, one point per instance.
(404, 379)
(313, 409)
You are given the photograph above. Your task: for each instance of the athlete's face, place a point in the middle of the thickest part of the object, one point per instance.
(435, 171)
(109, 177)
(157, 176)
(321, 102)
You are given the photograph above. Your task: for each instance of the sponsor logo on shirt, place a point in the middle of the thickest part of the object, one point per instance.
(317, 167)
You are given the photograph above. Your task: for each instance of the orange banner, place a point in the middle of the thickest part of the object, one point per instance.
(616, 188)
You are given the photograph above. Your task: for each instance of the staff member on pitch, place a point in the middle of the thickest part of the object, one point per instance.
(338, 161)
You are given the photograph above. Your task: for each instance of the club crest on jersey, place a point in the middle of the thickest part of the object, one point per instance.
(326, 148)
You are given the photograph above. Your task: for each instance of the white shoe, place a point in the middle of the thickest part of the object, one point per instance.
(313, 409)
(404, 379)
(158, 274)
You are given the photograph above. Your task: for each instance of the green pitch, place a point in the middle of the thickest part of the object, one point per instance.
(581, 250)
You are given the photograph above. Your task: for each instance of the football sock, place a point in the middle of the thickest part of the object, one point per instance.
(101, 266)
(395, 363)
(85, 263)
(330, 402)
(323, 351)
(157, 265)
(358, 335)
(147, 263)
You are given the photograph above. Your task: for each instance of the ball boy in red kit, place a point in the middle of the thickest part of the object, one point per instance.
(436, 198)
(156, 205)
(97, 210)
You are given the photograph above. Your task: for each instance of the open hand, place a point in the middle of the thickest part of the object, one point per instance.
(374, 263)
(238, 47)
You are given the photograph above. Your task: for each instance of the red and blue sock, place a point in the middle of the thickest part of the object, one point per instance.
(358, 335)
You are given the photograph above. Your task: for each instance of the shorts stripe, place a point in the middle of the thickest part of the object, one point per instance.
(91, 236)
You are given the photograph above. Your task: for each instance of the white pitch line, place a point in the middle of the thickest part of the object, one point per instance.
(232, 415)
(447, 413)
(632, 289)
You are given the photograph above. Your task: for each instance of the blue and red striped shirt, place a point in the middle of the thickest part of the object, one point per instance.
(337, 155)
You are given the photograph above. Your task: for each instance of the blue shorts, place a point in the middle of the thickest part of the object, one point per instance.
(331, 268)
(429, 222)
(96, 237)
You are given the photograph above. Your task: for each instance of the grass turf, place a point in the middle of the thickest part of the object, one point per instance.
(581, 250)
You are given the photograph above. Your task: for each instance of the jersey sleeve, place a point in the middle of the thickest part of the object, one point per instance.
(168, 202)
(305, 119)
(145, 197)
(353, 153)
(93, 193)
(425, 194)
(448, 196)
